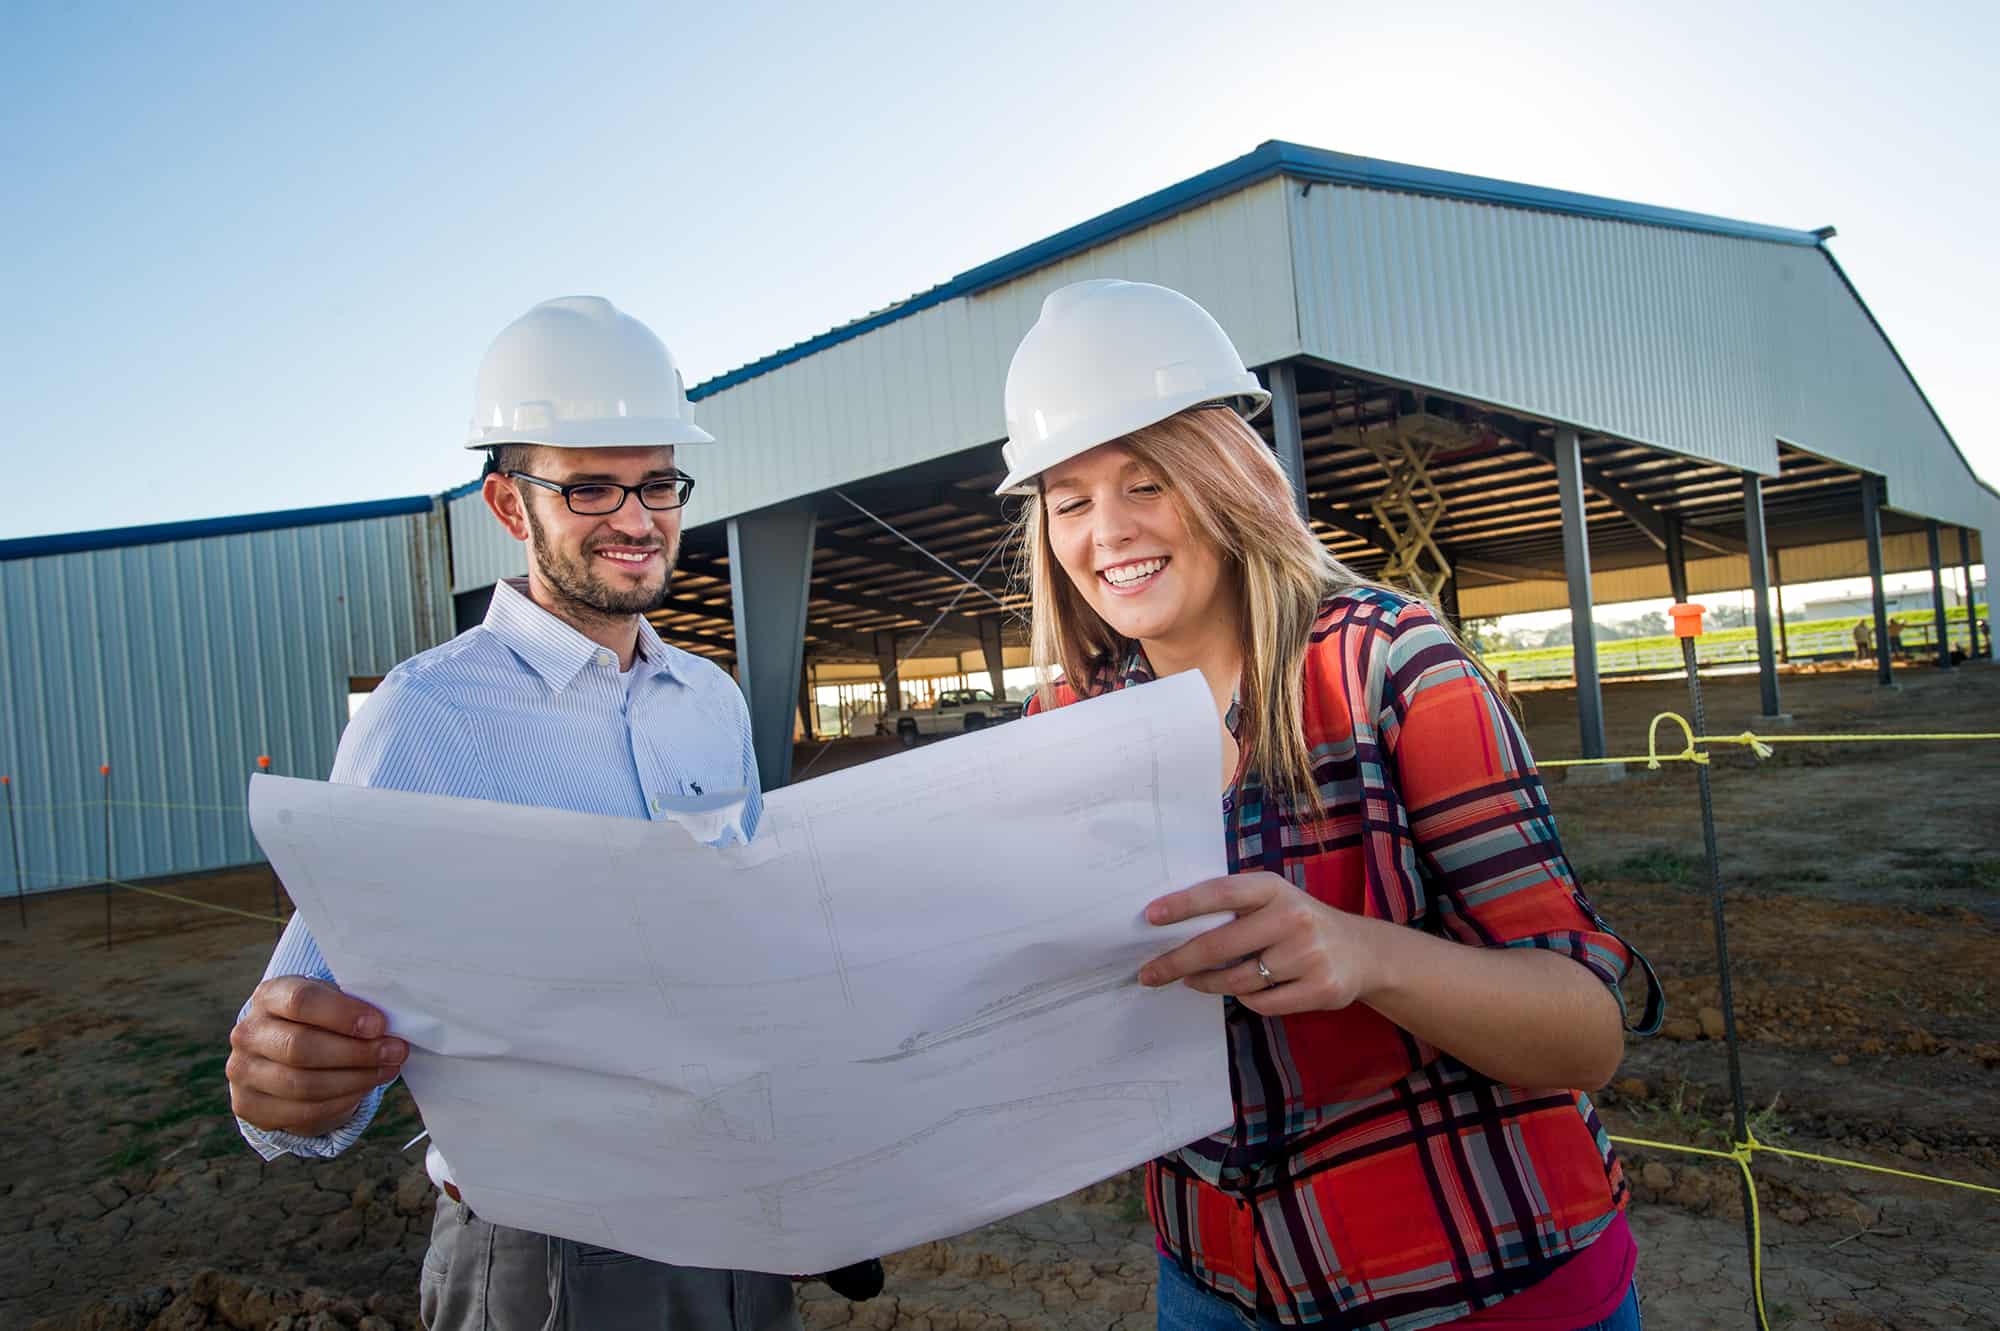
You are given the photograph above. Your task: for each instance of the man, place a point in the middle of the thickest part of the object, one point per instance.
(565, 697)
(1863, 648)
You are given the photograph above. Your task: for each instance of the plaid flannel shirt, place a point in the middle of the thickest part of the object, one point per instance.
(1371, 1180)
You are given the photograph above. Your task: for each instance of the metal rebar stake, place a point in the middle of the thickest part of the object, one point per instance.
(277, 905)
(14, 841)
(107, 855)
(1741, 1118)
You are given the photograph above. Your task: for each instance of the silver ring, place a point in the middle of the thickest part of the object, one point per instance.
(1265, 971)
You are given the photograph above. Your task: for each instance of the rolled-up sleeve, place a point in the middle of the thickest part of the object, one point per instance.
(403, 738)
(1493, 865)
(298, 954)
(753, 787)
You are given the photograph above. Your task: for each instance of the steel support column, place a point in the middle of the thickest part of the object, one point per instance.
(1971, 600)
(1778, 605)
(1576, 561)
(994, 650)
(1287, 436)
(1677, 564)
(1938, 619)
(1871, 530)
(1448, 600)
(892, 682)
(770, 576)
(807, 721)
(1760, 588)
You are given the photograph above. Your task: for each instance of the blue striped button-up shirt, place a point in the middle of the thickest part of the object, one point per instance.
(526, 710)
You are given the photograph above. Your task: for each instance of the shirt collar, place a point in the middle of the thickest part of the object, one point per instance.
(552, 649)
(1134, 668)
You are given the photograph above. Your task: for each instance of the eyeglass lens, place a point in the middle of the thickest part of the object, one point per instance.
(595, 500)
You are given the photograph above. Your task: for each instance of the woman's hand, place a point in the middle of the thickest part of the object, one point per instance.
(1522, 1016)
(1315, 957)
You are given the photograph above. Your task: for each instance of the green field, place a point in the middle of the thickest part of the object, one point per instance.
(1807, 640)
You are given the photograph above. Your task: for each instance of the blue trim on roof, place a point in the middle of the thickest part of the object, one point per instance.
(800, 350)
(112, 538)
(1372, 173)
(461, 491)
(1272, 158)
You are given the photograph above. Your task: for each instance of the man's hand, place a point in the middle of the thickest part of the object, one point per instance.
(305, 1055)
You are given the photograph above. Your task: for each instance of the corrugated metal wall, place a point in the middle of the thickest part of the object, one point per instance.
(178, 664)
(482, 551)
(1708, 345)
(1903, 552)
(1645, 333)
(930, 384)
(1843, 395)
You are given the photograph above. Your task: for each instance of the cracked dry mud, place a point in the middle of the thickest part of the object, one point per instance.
(1864, 898)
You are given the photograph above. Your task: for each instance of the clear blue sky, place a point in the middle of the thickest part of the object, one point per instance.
(252, 255)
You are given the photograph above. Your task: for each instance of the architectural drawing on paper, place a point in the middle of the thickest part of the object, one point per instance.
(826, 910)
(1034, 1000)
(810, 1053)
(1156, 1096)
(740, 1112)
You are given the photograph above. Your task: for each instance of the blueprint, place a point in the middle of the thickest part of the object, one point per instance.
(906, 1008)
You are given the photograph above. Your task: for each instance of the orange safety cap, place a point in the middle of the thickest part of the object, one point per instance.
(104, 770)
(263, 760)
(1687, 620)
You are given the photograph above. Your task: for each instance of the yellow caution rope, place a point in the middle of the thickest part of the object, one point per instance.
(1760, 745)
(190, 901)
(89, 880)
(1740, 1155)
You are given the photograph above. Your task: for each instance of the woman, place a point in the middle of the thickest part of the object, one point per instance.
(1412, 975)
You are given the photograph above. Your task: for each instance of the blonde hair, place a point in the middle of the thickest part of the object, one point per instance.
(1229, 490)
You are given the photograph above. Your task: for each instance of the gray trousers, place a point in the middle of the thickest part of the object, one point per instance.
(484, 1277)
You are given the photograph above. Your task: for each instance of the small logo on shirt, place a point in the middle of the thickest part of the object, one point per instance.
(695, 786)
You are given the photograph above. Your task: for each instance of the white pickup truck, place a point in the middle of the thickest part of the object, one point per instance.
(957, 710)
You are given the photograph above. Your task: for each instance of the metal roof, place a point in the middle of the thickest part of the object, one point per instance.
(1687, 349)
(158, 533)
(928, 384)
(1273, 157)
(1710, 337)
(1710, 345)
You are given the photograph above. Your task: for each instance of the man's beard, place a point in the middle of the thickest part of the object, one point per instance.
(583, 591)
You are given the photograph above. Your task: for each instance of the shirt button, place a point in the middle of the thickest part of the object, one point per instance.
(656, 804)
(604, 658)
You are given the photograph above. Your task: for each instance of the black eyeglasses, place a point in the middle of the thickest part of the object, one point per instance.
(593, 499)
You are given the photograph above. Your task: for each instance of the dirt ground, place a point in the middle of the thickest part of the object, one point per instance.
(1864, 900)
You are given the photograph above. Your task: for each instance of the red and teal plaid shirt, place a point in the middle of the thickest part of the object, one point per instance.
(1371, 1180)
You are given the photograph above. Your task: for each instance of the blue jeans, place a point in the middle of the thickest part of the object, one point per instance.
(1186, 1306)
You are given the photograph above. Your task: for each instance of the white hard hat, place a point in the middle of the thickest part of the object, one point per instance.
(1106, 358)
(576, 372)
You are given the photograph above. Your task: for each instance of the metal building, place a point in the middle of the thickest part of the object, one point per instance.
(179, 654)
(1514, 397)
(1517, 398)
